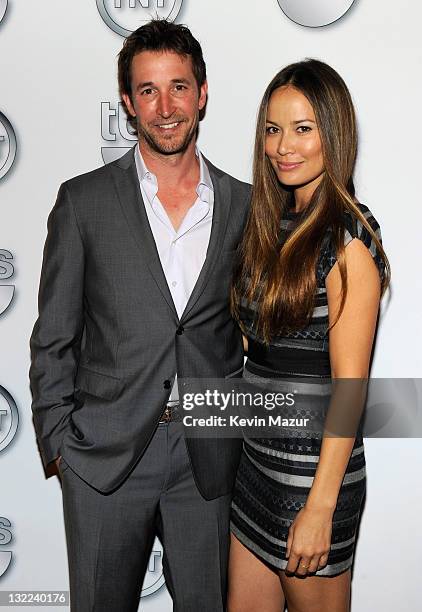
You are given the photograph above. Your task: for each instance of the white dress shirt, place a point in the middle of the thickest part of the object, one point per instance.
(182, 252)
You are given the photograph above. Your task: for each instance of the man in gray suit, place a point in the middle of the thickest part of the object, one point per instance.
(134, 297)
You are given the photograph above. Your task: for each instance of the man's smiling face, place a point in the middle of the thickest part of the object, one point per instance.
(166, 100)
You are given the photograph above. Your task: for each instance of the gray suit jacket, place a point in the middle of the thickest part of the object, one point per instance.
(108, 342)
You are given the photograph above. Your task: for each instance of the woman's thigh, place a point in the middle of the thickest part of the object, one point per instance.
(317, 593)
(253, 585)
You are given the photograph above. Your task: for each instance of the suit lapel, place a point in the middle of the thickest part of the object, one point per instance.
(222, 201)
(132, 205)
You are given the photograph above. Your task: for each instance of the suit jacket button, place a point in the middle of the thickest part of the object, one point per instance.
(167, 384)
(180, 330)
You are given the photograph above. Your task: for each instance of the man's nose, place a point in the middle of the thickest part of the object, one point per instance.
(165, 105)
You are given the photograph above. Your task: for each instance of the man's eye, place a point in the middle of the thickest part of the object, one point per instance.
(180, 87)
(146, 91)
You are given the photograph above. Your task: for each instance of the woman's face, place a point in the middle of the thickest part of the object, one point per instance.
(292, 141)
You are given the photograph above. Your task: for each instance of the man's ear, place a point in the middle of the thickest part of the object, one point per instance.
(128, 102)
(203, 92)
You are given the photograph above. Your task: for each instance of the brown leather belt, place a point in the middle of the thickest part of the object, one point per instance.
(170, 414)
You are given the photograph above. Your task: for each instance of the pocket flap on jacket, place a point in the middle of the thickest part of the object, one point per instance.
(99, 385)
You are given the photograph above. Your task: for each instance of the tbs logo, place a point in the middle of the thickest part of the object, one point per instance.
(9, 418)
(154, 578)
(114, 129)
(3, 8)
(315, 13)
(7, 143)
(125, 16)
(5, 539)
(6, 271)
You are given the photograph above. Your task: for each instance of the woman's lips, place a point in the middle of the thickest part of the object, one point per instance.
(285, 167)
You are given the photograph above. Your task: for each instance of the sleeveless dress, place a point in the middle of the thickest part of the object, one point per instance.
(275, 474)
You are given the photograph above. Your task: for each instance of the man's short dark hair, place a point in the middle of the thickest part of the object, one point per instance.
(158, 35)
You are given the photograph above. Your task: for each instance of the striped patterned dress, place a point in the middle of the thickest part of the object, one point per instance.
(276, 473)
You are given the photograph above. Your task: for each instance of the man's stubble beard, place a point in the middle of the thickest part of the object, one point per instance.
(173, 147)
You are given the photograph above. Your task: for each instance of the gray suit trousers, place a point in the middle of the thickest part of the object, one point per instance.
(110, 536)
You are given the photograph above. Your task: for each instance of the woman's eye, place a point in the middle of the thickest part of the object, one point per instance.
(270, 129)
(303, 129)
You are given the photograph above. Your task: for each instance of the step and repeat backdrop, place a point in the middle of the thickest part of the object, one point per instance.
(60, 116)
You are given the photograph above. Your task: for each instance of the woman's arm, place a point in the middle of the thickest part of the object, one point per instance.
(350, 345)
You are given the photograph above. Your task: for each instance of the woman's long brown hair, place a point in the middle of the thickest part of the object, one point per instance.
(282, 282)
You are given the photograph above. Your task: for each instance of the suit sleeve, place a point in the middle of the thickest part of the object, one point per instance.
(56, 337)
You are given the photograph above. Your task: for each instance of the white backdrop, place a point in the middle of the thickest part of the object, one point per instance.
(58, 88)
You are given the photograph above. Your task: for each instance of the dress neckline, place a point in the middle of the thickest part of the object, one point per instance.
(293, 214)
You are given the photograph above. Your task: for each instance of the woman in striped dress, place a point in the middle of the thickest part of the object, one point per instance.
(306, 292)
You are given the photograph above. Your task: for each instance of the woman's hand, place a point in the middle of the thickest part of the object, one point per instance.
(309, 540)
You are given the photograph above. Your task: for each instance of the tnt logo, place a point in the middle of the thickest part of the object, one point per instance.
(154, 578)
(125, 16)
(7, 145)
(5, 539)
(114, 129)
(315, 13)
(9, 420)
(3, 8)
(6, 271)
